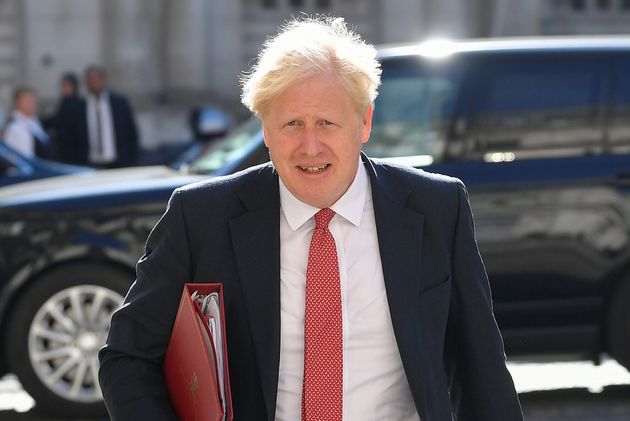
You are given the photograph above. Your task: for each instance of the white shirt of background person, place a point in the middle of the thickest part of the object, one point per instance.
(21, 132)
(107, 152)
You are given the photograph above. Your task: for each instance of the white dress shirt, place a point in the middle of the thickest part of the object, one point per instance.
(374, 384)
(108, 140)
(21, 133)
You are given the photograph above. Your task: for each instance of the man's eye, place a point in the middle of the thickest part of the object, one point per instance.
(292, 123)
(328, 123)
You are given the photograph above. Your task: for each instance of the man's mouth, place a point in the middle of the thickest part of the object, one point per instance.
(314, 169)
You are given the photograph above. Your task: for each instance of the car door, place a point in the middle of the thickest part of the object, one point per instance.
(530, 142)
(527, 134)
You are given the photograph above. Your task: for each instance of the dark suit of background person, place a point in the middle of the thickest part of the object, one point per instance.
(227, 230)
(75, 148)
(62, 123)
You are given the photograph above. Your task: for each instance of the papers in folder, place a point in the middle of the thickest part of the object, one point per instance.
(195, 365)
(212, 316)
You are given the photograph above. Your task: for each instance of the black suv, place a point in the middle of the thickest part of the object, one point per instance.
(538, 129)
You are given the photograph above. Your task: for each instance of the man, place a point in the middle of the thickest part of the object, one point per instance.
(353, 289)
(63, 123)
(24, 132)
(106, 134)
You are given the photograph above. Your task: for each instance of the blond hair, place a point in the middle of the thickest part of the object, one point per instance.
(308, 46)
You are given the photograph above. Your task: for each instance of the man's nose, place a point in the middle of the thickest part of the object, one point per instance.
(311, 142)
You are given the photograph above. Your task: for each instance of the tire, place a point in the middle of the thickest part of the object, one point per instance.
(55, 333)
(619, 325)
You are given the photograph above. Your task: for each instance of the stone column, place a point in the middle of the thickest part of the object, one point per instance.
(13, 66)
(448, 18)
(131, 47)
(402, 20)
(517, 17)
(184, 47)
(223, 54)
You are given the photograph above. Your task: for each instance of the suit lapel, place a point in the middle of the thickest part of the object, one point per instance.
(400, 237)
(256, 243)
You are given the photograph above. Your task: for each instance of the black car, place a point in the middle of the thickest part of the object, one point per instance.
(538, 129)
(15, 168)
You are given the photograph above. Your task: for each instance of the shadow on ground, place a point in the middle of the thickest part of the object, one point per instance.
(611, 404)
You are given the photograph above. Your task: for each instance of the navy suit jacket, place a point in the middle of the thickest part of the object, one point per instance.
(74, 138)
(227, 230)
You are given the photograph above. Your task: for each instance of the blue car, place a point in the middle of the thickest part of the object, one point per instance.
(15, 168)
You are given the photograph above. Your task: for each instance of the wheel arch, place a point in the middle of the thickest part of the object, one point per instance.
(26, 277)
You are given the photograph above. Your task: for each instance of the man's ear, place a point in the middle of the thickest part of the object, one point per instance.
(265, 136)
(366, 129)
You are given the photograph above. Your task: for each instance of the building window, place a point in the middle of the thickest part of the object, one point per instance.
(578, 5)
(296, 3)
(558, 4)
(269, 4)
(625, 5)
(323, 4)
(603, 4)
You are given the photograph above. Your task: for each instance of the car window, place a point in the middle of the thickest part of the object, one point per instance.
(233, 146)
(619, 121)
(534, 107)
(413, 110)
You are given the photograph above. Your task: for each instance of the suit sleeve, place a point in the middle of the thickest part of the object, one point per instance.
(131, 361)
(481, 387)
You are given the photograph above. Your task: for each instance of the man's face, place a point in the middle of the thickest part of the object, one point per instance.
(314, 134)
(27, 104)
(95, 82)
(68, 89)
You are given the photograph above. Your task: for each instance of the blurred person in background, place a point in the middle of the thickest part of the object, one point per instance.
(104, 132)
(69, 86)
(24, 132)
(63, 126)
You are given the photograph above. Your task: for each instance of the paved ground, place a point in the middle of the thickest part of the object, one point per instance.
(549, 392)
(611, 404)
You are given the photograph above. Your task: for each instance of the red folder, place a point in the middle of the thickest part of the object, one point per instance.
(190, 364)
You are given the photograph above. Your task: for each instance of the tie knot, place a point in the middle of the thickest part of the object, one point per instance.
(323, 217)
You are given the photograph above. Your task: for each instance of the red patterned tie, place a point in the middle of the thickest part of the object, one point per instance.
(322, 391)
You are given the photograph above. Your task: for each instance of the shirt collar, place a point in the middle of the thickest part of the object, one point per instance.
(349, 206)
(19, 116)
(104, 95)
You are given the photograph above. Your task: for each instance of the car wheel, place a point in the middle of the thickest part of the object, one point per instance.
(619, 325)
(55, 332)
